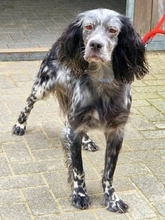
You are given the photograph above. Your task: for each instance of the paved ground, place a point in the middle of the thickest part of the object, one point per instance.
(36, 24)
(32, 169)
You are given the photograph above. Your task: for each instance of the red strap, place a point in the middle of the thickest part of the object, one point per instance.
(157, 30)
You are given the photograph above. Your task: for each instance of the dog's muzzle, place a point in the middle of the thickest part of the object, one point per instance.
(95, 52)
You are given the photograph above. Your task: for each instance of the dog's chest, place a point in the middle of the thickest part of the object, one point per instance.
(103, 111)
(93, 112)
(94, 106)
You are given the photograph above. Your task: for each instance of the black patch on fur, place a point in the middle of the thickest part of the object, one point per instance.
(71, 48)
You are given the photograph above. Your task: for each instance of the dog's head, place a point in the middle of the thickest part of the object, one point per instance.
(100, 34)
(103, 36)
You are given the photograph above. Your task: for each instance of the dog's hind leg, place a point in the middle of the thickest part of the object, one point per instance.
(89, 144)
(71, 142)
(43, 85)
(114, 144)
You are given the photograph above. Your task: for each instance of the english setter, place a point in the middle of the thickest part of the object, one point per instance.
(90, 68)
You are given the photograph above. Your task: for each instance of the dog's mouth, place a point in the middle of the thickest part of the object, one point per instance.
(94, 58)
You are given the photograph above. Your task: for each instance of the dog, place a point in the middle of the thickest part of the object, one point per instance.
(90, 69)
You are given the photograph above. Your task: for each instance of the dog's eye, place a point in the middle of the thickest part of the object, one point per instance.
(112, 30)
(89, 27)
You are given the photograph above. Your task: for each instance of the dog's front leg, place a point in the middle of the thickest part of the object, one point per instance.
(114, 143)
(71, 142)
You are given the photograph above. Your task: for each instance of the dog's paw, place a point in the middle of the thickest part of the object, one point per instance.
(88, 144)
(80, 200)
(115, 204)
(19, 129)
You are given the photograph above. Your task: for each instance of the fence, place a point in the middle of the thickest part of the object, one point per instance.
(145, 14)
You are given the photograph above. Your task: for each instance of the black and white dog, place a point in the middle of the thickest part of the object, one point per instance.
(90, 69)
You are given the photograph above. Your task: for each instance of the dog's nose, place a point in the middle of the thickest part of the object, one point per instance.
(95, 45)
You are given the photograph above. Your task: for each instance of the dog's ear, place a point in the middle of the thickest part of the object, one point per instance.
(128, 58)
(71, 46)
